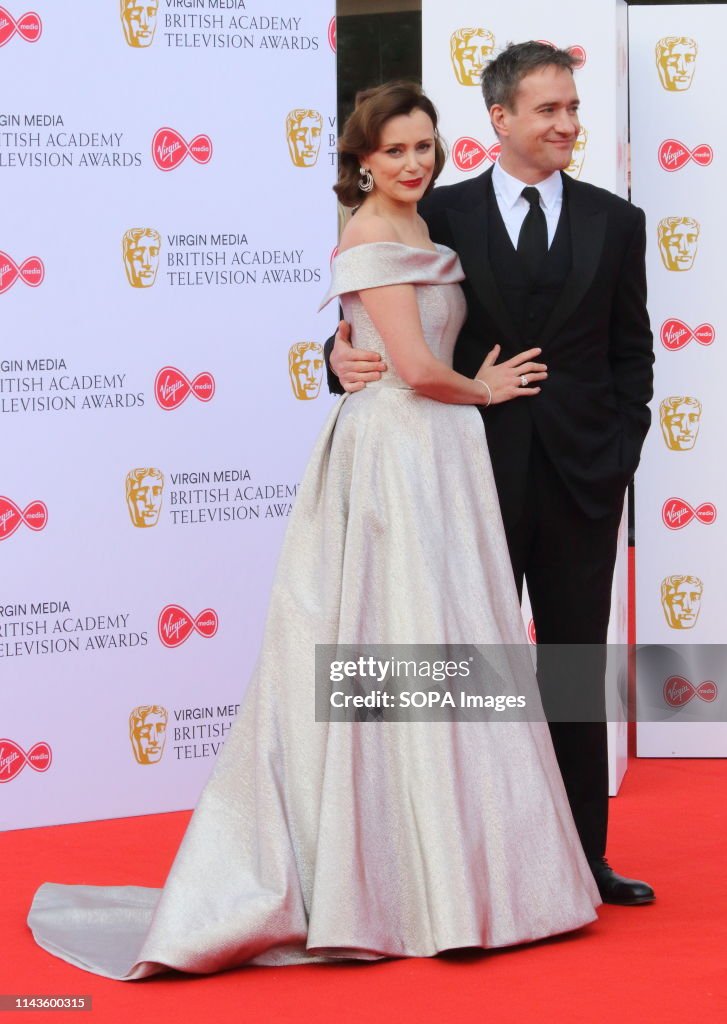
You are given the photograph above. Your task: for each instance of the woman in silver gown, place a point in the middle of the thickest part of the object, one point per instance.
(314, 840)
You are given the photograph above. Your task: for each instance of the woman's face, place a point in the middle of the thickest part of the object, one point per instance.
(403, 163)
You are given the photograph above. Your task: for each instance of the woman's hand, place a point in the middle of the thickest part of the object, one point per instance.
(515, 377)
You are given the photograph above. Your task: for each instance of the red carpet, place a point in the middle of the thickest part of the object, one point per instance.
(661, 963)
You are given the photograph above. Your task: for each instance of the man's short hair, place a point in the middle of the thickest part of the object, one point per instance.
(502, 76)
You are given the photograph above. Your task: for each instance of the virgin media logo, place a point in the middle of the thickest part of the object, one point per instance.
(332, 34)
(172, 387)
(577, 52)
(169, 150)
(468, 153)
(678, 513)
(176, 625)
(675, 334)
(673, 155)
(678, 691)
(13, 759)
(30, 272)
(12, 517)
(28, 26)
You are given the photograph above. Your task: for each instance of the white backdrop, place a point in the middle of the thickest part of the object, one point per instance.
(167, 207)
(459, 37)
(678, 137)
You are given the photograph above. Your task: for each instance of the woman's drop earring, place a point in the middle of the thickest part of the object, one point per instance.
(366, 181)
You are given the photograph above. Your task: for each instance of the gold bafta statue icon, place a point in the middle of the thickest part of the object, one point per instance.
(470, 50)
(579, 153)
(141, 256)
(678, 237)
(680, 416)
(147, 732)
(139, 18)
(681, 599)
(303, 129)
(305, 365)
(676, 58)
(144, 488)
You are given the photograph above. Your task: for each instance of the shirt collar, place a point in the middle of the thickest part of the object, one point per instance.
(508, 189)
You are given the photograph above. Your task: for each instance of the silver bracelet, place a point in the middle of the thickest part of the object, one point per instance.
(489, 389)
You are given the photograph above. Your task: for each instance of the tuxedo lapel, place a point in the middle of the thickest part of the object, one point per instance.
(588, 229)
(471, 241)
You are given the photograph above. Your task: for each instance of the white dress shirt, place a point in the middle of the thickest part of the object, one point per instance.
(513, 208)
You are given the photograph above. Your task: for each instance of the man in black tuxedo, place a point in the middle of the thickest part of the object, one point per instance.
(559, 264)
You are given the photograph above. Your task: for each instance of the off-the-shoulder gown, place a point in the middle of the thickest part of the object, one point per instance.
(319, 840)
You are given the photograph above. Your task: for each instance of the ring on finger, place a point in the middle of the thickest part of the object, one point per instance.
(523, 381)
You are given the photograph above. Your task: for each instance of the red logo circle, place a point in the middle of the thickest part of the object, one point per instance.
(577, 52)
(678, 691)
(673, 155)
(13, 759)
(169, 150)
(28, 26)
(30, 272)
(677, 513)
(468, 153)
(175, 625)
(172, 387)
(332, 34)
(531, 632)
(12, 517)
(675, 334)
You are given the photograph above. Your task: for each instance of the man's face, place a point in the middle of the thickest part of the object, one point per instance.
(139, 18)
(680, 427)
(145, 501)
(538, 135)
(306, 373)
(304, 140)
(148, 738)
(676, 66)
(682, 604)
(470, 57)
(678, 246)
(141, 258)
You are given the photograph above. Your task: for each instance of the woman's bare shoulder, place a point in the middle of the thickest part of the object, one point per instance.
(363, 229)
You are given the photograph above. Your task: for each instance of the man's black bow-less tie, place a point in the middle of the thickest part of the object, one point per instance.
(532, 243)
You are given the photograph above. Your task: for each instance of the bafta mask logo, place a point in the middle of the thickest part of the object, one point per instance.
(141, 256)
(139, 18)
(680, 416)
(303, 129)
(681, 599)
(678, 237)
(470, 50)
(305, 366)
(579, 153)
(147, 732)
(676, 57)
(144, 489)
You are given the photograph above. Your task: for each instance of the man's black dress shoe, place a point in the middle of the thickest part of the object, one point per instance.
(624, 892)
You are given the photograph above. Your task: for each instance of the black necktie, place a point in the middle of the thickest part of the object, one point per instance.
(532, 243)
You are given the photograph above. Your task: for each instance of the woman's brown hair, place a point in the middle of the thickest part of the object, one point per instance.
(362, 132)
